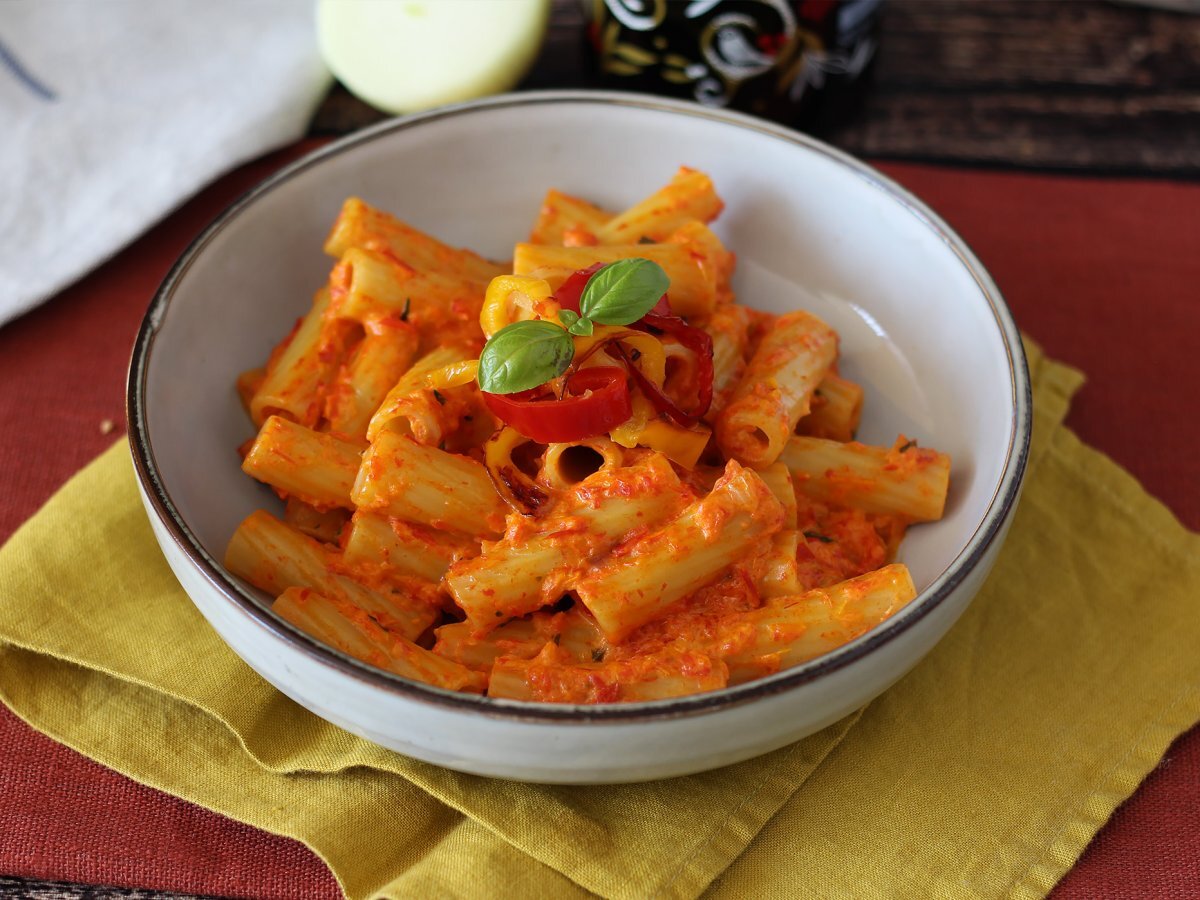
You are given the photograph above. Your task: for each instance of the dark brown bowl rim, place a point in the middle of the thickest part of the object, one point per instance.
(986, 533)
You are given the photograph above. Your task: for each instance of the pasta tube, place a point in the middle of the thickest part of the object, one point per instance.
(629, 588)
(298, 368)
(382, 357)
(551, 678)
(777, 477)
(323, 524)
(708, 250)
(836, 409)
(248, 383)
(693, 291)
(352, 631)
(561, 214)
(399, 477)
(529, 570)
(729, 329)
(566, 464)
(368, 285)
(383, 548)
(274, 557)
(689, 195)
(776, 389)
(361, 225)
(905, 479)
(413, 407)
(792, 630)
(781, 573)
(314, 467)
(575, 634)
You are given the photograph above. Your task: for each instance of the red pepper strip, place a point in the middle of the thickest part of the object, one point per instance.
(660, 401)
(597, 401)
(571, 290)
(700, 343)
(661, 319)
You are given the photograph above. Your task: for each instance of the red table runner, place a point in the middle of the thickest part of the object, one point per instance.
(1105, 274)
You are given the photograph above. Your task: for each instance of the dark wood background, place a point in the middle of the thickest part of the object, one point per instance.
(1053, 85)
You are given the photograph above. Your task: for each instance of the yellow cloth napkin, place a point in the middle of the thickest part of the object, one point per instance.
(983, 773)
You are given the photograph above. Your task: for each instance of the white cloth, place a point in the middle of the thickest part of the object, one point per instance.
(112, 112)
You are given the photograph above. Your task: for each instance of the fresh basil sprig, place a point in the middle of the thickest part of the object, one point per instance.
(575, 323)
(523, 355)
(623, 291)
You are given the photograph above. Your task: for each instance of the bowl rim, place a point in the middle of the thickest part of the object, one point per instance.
(987, 531)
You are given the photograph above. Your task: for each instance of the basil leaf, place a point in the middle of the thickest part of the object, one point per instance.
(523, 355)
(575, 323)
(623, 291)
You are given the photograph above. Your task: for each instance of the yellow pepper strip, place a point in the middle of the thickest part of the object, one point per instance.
(516, 488)
(627, 433)
(514, 298)
(680, 445)
(651, 359)
(454, 375)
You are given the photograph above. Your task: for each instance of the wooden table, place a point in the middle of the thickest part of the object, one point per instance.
(1052, 85)
(1084, 87)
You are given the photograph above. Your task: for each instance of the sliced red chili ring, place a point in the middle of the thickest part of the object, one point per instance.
(699, 342)
(596, 401)
(662, 307)
(569, 292)
(660, 401)
(660, 319)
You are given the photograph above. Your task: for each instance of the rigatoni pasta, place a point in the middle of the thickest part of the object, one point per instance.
(626, 590)
(315, 467)
(590, 476)
(904, 479)
(301, 365)
(693, 286)
(531, 568)
(274, 557)
(353, 631)
(776, 389)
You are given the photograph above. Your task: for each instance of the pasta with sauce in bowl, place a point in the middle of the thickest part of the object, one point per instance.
(588, 477)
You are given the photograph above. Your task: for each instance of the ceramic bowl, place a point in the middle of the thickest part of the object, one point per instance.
(923, 328)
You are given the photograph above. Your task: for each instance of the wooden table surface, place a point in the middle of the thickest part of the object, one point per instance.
(1047, 85)
(1052, 85)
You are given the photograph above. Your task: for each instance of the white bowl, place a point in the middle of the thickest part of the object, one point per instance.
(923, 328)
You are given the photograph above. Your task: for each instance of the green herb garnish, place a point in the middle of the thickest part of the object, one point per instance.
(574, 323)
(623, 291)
(817, 536)
(526, 354)
(523, 355)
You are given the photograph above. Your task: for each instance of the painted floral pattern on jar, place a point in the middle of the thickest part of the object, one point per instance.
(769, 57)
